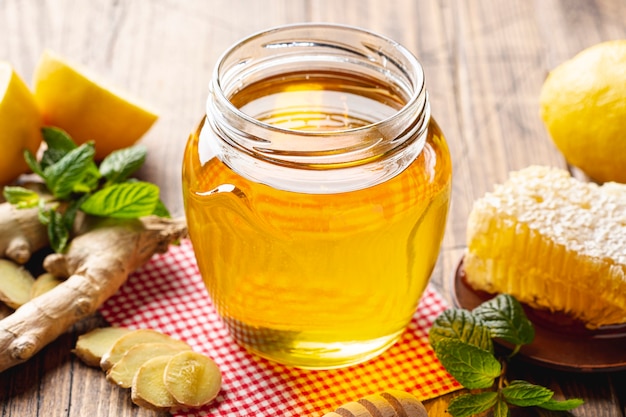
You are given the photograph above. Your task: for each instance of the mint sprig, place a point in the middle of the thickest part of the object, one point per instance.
(76, 183)
(463, 343)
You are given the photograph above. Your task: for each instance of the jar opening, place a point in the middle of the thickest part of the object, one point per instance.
(317, 97)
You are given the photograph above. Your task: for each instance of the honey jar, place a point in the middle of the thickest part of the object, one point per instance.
(316, 191)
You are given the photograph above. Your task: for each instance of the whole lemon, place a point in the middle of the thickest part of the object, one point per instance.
(583, 105)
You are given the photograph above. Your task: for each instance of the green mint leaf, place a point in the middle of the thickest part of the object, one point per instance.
(32, 163)
(161, 210)
(58, 234)
(525, 394)
(467, 405)
(506, 319)
(90, 181)
(69, 216)
(63, 176)
(564, 405)
(471, 366)
(501, 409)
(44, 213)
(21, 197)
(128, 200)
(59, 144)
(462, 325)
(119, 165)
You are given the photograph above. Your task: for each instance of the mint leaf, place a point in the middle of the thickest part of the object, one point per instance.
(59, 144)
(161, 210)
(564, 405)
(121, 164)
(58, 234)
(506, 319)
(90, 181)
(471, 366)
(462, 325)
(64, 175)
(69, 216)
(467, 405)
(21, 197)
(44, 213)
(123, 201)
(525, 394)
(32, 163)
(501, 409)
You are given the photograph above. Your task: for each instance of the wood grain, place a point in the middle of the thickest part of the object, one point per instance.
(484, 61)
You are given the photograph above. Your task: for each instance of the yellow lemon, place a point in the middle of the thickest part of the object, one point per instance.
(86, 109)
(20, 124)
(583, 105)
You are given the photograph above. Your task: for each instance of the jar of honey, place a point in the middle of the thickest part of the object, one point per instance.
(316, 191)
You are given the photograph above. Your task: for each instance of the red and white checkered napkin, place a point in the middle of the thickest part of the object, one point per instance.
(168, 295)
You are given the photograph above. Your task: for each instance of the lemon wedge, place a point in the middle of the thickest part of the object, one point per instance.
(86, 109)
(20, 123)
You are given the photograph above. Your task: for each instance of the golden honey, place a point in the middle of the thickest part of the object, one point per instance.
(316, 255)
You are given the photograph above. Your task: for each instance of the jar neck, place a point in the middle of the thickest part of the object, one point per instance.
(329, 159)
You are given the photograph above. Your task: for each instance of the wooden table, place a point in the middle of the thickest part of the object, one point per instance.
(484, 61)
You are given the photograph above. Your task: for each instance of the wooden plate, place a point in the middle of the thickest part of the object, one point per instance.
(560, 341)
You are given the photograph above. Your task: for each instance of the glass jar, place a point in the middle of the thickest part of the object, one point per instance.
(316, 191)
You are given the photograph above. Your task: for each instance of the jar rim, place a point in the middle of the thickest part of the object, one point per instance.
(309, 159)
(418, 94)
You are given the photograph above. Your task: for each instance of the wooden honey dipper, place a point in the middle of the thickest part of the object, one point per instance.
(390, 403)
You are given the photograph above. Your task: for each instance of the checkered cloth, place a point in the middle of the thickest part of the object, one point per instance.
(168, 294)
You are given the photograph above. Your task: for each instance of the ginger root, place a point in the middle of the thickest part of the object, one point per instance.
(97, 263)
(21, 233)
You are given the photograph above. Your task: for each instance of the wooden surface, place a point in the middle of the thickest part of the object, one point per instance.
(484, 61)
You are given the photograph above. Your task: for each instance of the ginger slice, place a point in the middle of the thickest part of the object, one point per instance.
(193, 379)
(124, 370)
(44, 283)
(124, 343)
(91, 346)
(148, 388)
(15, 284)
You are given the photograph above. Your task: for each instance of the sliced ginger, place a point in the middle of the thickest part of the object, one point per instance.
(163, 373)
(91, 346)
(192, 379)
(148, 388)
(43, 284)
(124, 343)
(15, 284)
(124, 370)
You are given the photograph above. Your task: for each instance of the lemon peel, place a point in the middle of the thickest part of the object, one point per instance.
(86, 108)
(20, 121)
(583, 105)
